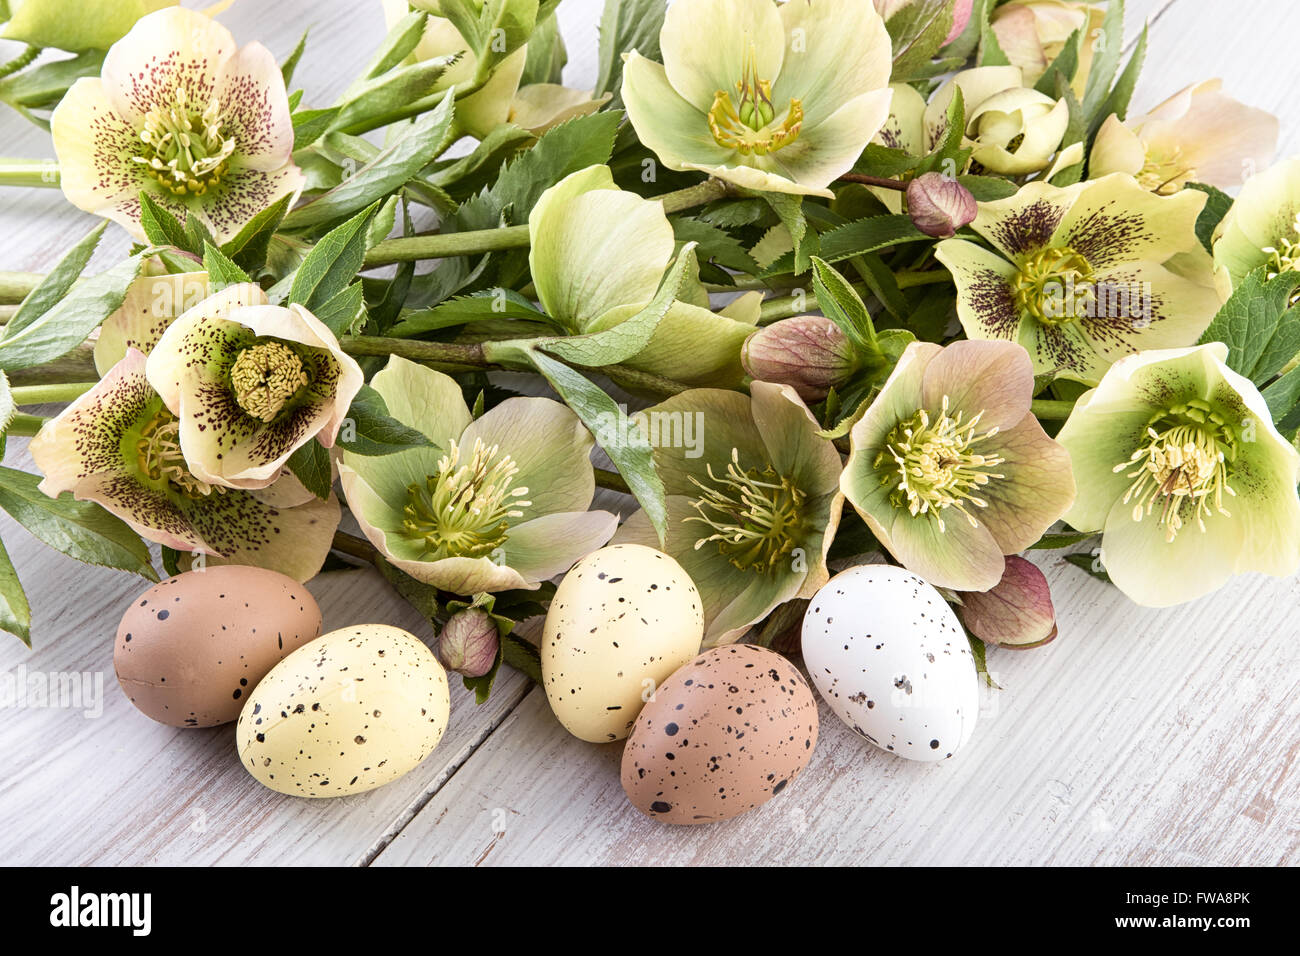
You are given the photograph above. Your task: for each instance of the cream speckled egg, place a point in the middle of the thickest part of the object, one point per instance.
(888, 654)
(351, 711)
(621, 622)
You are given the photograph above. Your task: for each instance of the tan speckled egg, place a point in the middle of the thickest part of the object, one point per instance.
(191, 649)
(351, 711)
(724, 734)
(621, 621)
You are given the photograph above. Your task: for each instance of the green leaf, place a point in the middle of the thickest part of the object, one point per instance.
(398, 44)
(626, 25)
(1090, 562)
(522, 656)
(291, 64)
(789, 209)
(489, 304)
(714, 245)
(15, 612)
(1217, 204)
(990, 51)
(221, 271)
(43, 85)
(1118, 99)
(840, 303)
(1262, 333)
(80, 529)
(395, 166)
(885, 161)
(979, 652)
(345, 313)
(171, 561)
(1063, 67)
(857, 238)
(1107, 48)
(546, 55)
(1282, 397)
(311, 125)
(162, 228)
(988, 188)
(1065, 539)
(333, 262)
(310, 464)
(493, 28)
(56, 283)
(370, 430)
(58, 330)
(396, 95)
(917, 31)
(250, 245)
(949, 156)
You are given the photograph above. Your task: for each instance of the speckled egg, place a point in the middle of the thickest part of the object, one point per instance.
(351, 711)
(890, 657)
(621, 621)
(191, 649)
(724, 734)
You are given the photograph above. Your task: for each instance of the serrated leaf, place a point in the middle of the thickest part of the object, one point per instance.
(221, 271)
(311, 125)
(463, 310)
(56, 283)
(1090, 562)
(988, 188)
(626, 25)
(370, 430)
(713, 244)
(310, 464)
(333, 262)
(1217, 204)
(522, 656)
(250, 245)
(291, 62)
(162, 228)
(1252, 324)
(1118, 99)
(789, 209)
(15, 612)
(858, 237)
(917, 31)
(841, 304)
(345, 313)
(1106, 52)
(1065, 539)
(1063, 67)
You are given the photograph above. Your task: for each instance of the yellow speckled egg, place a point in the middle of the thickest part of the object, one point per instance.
(621, 622)
(351, 711)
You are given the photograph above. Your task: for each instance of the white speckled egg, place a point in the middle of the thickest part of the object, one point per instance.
(621, 622)
(348, 712)
(888, 654)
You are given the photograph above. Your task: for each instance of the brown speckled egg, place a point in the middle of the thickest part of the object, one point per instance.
(191, 649)
(725, 733)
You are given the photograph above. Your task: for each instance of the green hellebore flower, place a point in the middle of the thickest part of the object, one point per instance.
(179, 113)
(773, 98)
(119, 445)
(949, 468)
(251, 383)
(753, 500)
(1083, 275)
(1262, 227)
(152, 303)
(76, 25)
(1179, 466)
(598, 254)
(500, 502)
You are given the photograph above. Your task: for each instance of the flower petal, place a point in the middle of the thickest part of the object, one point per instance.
(543, 547)
(705, 44)
(962, 556)
(151, 303)
(992, 379)
(674, 129)
(985, 304)
(850, 35)
(690, 344)
(242, 193)
(1026, 221)
(255, 108)
(1113, 220)
(697, 429)
(1037, 490)
(425, 399)
(789, 433)
(830, 148)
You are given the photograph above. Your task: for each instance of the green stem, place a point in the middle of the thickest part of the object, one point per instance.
(20, 61)
(1051, 408)
(41, 394)
(788, 306)
(15, 286)
(29, 172)
(355, 547)
(611, 480)
(24, 425)
(909, 280)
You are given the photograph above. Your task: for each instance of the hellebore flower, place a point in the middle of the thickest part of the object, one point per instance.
(500, 502)
(152, 303)
(961, 12)
(808, 352)
(1262, 228)
(1016, 612)
(752, 514)
(1032, 34)
(1197, 135)
(772, 98)
(75, 25)
(949, 468)
(1179, 466)
(250, 384)
(1017, 132)
(181, 114)
(119, 445)
(939, 205)
(598, 254)
(1083, 275)
(539, 106)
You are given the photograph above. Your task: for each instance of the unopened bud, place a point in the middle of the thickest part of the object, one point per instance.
(939, 205)
(1016, 612)
(808, 353)
(468, 643)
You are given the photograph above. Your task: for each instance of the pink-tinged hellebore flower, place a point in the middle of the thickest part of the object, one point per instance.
(939, 205)
(808, 352)
(251, 383)
(1016, 612)
(180, 113)
(119, 446)
(950, 469)
(469, 642)
(1198, 135)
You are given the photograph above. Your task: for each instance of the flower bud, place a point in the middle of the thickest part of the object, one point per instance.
(808, 353)
(1016, 612)
(468, 643)
(939, 205)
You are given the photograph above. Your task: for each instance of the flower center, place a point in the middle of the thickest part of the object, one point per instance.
(1054, 285)
(185, 146)
(158, 450)
(265, 376)
(933, 464)
(747, 125)
(755, 515)
(1165, 173)
(464, 510)
(1182, 463)
(1285, 256)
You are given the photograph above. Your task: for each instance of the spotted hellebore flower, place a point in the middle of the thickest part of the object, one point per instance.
(950, 469)
(597, 257)
(179, 113)
(1180, 468)
(1262, 228)
(120, 446)
(752, 506)
(774, 98)
(250, 384)
(497, 502)
(1083, 275)
(152, 303)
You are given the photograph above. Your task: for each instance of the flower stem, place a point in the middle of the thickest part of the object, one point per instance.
(29, 172)
(430, 353)
(20, 61)
(24, 425)
(355, 547)
(611, 480)
(40, 394)
(15, 286)
(1051, 408)
(873, 181)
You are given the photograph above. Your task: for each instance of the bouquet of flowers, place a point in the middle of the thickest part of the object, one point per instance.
(803, 286)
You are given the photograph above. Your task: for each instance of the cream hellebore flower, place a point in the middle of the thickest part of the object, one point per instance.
(753, 501)
(539, 106)
(597, 257)
(773, 98)
(250, 384)
(181, 114)
(497, 502)
(1179, 466)
(152, 303)
(120, 446)
(950, 469)
(1197, 135)
(1032, 34)
(1083, 275)
(1262, 228)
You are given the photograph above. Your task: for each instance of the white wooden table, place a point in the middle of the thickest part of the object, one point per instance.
(1137, 737)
